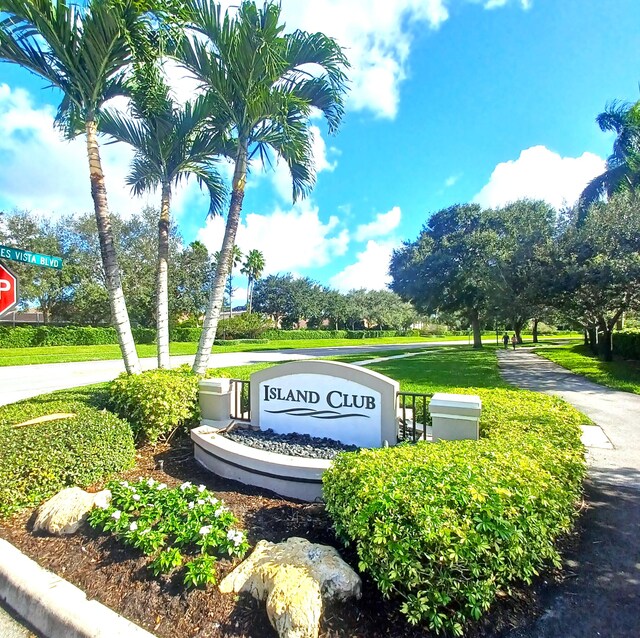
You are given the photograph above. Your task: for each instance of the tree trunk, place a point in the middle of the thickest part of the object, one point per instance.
(217, 290)
(606, 345)
(248, 308)
(475, 325)
(162, 284)
(119, 314)
(518, 323)
(586, 336)
(535, 331)
(593, 339)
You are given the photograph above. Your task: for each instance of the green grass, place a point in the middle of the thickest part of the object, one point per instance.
(618, 374)
(66, 354)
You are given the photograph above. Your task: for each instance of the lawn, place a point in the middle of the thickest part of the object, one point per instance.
(619, 374)
(65, 354)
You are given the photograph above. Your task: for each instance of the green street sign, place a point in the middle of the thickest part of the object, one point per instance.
(27, 257)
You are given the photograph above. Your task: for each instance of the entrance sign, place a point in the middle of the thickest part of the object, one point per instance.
(8, 290)
(326, 399)
(27, 257)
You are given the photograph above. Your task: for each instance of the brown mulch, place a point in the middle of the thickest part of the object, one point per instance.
(116, 576)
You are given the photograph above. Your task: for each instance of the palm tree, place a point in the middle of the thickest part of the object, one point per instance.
(253, 268)
(264, 84)
(84, 51)
(170, 145)
(623, 165)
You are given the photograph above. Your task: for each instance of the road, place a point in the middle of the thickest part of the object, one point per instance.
(22, 382)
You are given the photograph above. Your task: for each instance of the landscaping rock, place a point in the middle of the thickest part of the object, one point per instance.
(294, 577)
(67, 510)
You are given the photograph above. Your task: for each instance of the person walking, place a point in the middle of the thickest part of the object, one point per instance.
(505, 339)
(514, 340)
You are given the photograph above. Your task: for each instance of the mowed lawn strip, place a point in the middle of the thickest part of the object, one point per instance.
(619, 374)
(67, 354)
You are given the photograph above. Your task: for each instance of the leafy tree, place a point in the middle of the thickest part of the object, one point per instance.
(623, 165)
(191, 279)
(262, 91)
(84, 51)
(171, 144)
(450, 266)
(253, 268)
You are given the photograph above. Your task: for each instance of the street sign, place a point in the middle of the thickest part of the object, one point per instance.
(27, 257)
(8, 290)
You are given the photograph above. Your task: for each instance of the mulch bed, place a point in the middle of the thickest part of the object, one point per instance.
(116, 576)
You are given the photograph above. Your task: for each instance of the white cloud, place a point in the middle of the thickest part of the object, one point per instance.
(496, 4)
(452, 180)
(370, 270)
(381, 226)
(540, 174)
(290, 240)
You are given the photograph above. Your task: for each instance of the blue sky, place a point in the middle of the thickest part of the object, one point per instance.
(451, 101)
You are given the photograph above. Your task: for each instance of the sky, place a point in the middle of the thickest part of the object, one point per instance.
(450, 101)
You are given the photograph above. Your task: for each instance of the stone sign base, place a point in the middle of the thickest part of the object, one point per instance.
(289, 476)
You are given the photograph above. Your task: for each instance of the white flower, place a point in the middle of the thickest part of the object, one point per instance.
(191, 505)
(124, 483)
(220, 511)
(236, 536)
(151, 482)
(133, 527)
(213, 500)
(200, 501)
(185, 485)
(205, 530)
(136, 497)
(117, 514)
(201, 488)
(231, 534)
(162, 486)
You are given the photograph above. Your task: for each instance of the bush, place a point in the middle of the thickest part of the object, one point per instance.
(186, 335)
(33, 336)
(181, 527)
(443, 527)
(36, 461)
(237, 342)
(297, 335)
(156, 402)
(626, 344)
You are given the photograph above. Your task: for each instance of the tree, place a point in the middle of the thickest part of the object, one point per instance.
(253, 268)
(84, 51)
(191, 282)
(450, 266)
(623, 165)
(171, 145)
(258, 78)
(598, 269)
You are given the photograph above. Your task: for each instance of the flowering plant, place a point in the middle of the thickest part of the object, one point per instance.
(184, 526)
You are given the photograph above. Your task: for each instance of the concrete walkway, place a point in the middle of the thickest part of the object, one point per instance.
(601, 594)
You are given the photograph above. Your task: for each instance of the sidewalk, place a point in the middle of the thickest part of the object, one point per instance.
(601, 595)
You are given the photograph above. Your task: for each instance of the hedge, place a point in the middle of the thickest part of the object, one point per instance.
(31, 336)
(626, 344)
(36, 461)
(443, 528)
(156, 402)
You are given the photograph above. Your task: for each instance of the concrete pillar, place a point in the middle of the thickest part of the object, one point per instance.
(215, 402)
(455, 416)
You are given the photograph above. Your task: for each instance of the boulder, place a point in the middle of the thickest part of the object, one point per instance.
(67, 510)
(294, 578)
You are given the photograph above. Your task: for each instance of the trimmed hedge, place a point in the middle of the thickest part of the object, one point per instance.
(36, 461)
(32, 336)
(444, 527)
(626, 344)
(298, 335)
(156, 402)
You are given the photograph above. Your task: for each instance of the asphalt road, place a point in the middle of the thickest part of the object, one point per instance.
(22, 382)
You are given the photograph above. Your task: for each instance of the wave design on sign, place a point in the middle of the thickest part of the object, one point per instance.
(317, 414)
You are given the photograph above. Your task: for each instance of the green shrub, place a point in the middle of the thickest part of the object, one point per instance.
(626, 344)
(33, 336)
(155, 402)
(184, 526)
(237, 342)
(36, 461)
(443, 527)
(186, 335)
(298, 335)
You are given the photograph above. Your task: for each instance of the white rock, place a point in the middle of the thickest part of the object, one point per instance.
(67, 510)
(294, 577)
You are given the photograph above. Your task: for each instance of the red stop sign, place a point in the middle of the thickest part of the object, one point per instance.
(8, 290)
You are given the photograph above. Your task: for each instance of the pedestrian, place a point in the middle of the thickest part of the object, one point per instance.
(514, 340)
(505, 339)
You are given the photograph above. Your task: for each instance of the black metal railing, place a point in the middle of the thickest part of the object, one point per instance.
(414, 420)
(240, 400)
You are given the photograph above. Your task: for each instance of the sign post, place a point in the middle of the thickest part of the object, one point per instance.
(8, 290)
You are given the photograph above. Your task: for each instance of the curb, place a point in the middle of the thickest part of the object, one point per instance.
(55, 607)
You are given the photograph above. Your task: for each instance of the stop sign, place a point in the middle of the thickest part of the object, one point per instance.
(8, 289)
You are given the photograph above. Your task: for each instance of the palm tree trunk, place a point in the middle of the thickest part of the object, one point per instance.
(162, 292)
(119, 314)
(217, 290)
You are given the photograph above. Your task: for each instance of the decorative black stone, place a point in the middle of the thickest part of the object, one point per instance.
(293, 444)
